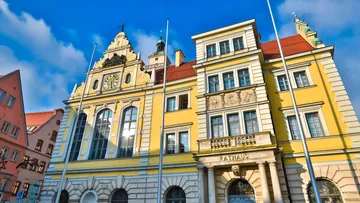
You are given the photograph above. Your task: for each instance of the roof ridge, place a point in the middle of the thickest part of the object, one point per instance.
(42, 112)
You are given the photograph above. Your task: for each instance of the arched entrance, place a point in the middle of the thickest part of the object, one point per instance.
(328, 192)
(240, 191)
(89, 197)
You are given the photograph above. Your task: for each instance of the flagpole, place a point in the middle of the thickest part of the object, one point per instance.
(71, 138)
(303, 141)
(162, 119)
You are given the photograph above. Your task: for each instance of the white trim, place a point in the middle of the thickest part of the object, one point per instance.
(177, 95)
(292, 77)
(86, 192)
(302, 112)
(177, 131)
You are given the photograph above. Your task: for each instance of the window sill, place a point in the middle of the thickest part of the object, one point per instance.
(178, 110)
(174, 154)
(295, 89)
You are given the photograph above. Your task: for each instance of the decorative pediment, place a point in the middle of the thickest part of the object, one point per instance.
(114, 61)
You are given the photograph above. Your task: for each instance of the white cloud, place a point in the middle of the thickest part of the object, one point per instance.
(41, 92)
(96, 38)
(36, 35)
(72, 34)
(337, 22)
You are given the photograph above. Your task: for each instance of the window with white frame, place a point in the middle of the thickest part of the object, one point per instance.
(293, 128)
(15, 155)
(301, 79)
(238, 43)
(312, 120)
(4, 184)
(15, 131)
(5, 152)
(283, 83)
(128, 132)
(177, 102)
(251, 123)
(5, 127)
(211, 50)
(228, 79)
(314, 124)
(224, 47)
(233, 124)
(217, 129)
(244, 77)
(177, 142)
(2, 95)
(10, 101)
(214, 84)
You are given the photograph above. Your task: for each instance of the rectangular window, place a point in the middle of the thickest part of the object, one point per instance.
(251, 123)
(184, 141)
(26, 161)
(39, 145)
(301, 79)
(217, 127)
(214, 83)
(2, 95)
(283, 83)
(5, 152)
(33, 167)
(233, 123)
(211, 50)
(26, 189)
(41, 167)
(183, 101)
(15, 156)
(16, 188)
(54, 135)
(171, 103)
(294, 128)
(15, 131)
(244, 77)
(224, 47)
(10, 101)
(5, 127)
(228, 80)
(238, 44)
(50, 149)
(170, 143)
(314, 125)
(4, 184)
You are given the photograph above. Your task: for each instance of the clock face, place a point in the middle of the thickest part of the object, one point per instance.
(111, 81)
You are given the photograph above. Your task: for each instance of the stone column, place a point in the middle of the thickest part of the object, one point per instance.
(201, 184)
(275, 183)
(211, 186)
(264, 184)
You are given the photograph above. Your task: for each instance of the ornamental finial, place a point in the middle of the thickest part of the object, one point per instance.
(295, 16)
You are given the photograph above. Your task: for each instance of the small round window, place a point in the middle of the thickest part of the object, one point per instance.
(95, 85)
(128, 78)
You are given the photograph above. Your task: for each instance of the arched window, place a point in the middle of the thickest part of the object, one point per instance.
(64, 197)
(175, 195)
(95, 85)
(240, 191)
(128, 132)
(79, 131)
(328, 192)
(128, 78)
(120, 196)
(101, 134)
(89, 197)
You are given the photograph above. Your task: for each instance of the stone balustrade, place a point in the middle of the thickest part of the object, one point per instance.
(248, 140)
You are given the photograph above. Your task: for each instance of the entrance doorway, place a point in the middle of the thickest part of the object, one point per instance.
(240, 191)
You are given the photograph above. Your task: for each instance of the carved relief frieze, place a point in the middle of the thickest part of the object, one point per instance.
(231, 99)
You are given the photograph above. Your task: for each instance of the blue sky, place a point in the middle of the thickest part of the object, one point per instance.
(51, 41)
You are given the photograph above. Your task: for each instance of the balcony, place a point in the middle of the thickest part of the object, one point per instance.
(233, 142)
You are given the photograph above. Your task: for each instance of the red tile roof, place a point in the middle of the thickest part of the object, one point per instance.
(291, 45)
(173, 73)
(38, 119)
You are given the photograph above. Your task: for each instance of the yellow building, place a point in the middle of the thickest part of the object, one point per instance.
(230, 132)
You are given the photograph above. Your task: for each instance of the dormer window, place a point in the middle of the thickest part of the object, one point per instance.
(211, 50)
(224, 47)
(238, 44)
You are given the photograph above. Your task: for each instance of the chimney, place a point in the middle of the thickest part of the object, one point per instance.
(179, 58)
